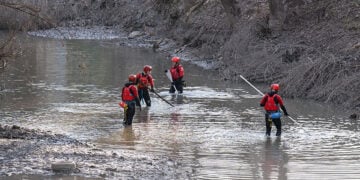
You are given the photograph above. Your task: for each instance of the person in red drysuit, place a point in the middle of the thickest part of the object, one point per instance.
(129, 95)
(177, 74)
(144, 80)
(272, 102)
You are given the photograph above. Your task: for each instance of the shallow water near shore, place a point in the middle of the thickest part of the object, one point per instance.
(215, 131)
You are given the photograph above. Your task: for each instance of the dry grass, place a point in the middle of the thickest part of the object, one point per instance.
(316, 56)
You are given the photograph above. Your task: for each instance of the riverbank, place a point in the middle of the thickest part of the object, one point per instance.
(31, 151)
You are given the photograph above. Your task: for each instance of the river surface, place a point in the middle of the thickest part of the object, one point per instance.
(215, 131)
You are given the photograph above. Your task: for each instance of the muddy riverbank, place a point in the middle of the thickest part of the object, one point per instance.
(31, 151)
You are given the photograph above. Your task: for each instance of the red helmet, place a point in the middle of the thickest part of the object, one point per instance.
(175, 59)
(147, 68)
(275, 87)
(132, 77)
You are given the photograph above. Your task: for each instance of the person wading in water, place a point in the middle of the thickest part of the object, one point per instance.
(177, 74)
(144, 80)
(129, 96)
(271, 102)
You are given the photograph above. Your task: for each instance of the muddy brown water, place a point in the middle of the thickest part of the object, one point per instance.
(216, 129)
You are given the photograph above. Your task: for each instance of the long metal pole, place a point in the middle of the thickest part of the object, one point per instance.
(242, 77)
(163, 99)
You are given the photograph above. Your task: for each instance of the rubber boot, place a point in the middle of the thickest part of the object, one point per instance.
(268, 126)
(278, 126)
(148, 103)
(268, 131)
(278, 132)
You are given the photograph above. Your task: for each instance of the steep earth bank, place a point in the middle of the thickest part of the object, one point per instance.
(311, 47)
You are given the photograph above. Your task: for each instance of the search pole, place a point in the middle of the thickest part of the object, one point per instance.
(158, 95)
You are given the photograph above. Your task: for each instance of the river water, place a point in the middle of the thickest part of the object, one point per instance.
(215, 131)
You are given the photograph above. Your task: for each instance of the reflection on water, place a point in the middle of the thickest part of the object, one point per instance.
(275, 160)
(125, 137)
(216, 129)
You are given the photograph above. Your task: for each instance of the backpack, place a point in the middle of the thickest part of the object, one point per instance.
(271, 103)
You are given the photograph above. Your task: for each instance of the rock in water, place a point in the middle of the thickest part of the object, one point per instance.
(135, 34)
(63, 167)
(353, 116)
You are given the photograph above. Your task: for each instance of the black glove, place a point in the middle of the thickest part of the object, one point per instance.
(284, 110)
(183, 83)
(137, 100)
(138, 103)
(173, 83)
(166, 71)
(152, 90)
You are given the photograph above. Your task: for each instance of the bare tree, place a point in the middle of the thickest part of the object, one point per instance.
(8, 46)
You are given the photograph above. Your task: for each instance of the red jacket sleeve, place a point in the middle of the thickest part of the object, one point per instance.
(134, 91)
(151, 81)
(280, 101)
(138, 75)
(181, 71)
(263, 100)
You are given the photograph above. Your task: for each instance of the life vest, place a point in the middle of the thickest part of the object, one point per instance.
(127, 94)
(177, 72)
(271, 104)
(144, 81)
